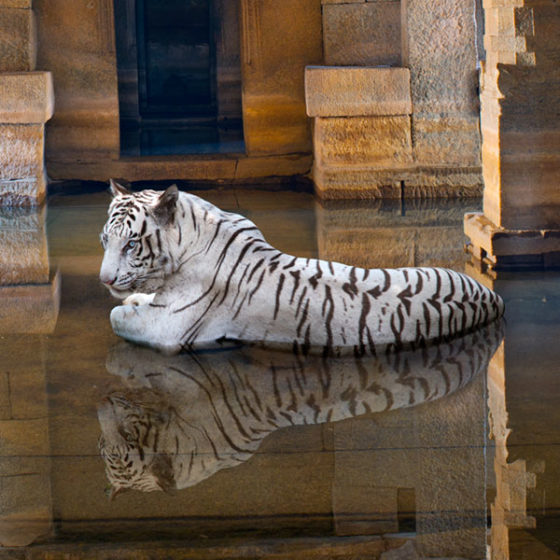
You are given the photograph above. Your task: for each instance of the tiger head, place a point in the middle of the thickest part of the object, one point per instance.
(135, 240)
(129, 446)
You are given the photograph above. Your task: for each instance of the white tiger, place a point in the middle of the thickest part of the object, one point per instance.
(183, 418)
(190, 274)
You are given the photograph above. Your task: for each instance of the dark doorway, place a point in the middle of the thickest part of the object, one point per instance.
(179, 76)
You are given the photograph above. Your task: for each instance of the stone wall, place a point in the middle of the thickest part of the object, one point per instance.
(278, 40)
(427, 147)
(77, 46)
(26, 103)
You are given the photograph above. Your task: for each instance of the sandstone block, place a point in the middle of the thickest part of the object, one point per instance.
(26, 97)
(352, 91)
(345, 182)
(500, 20)
(452, 140)
(21, 151)
(365, 34)
(358, 141)
(521, 190)
(17, 40)
(441, 53)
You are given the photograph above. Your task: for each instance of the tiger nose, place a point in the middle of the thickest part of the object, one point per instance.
(109, 280)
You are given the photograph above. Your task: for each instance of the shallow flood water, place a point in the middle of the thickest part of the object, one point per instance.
(243, 452)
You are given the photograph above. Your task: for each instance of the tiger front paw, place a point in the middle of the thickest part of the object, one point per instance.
(139, 299)
(146, 326)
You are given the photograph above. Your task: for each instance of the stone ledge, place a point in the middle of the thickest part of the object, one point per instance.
(414, 182)
(345, 91)
(310, 548)
(197, 168)
(505, 248)
(26, 97)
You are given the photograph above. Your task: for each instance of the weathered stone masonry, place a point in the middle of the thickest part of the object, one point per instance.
(520, 119)
(26, 104)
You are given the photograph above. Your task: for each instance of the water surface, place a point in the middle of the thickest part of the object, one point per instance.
(438, 452)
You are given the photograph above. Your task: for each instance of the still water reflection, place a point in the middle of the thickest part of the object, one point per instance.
(471, 474)
(181, 419)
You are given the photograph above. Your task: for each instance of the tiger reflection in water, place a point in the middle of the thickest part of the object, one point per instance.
(185, 417)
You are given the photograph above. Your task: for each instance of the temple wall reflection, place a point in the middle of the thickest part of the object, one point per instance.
(385, 233)
(30, 296)
(424, 468)
(523, 413)
(30, 303)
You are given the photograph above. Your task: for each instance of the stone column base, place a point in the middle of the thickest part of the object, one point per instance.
(500, 248)
(353, 182)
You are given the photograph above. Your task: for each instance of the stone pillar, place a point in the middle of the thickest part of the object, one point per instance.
(439, 47)
(521, 140)
(424, 55)
(30, 303)
(357, 33)
(78, 46)
(26, 103)
(361, 130)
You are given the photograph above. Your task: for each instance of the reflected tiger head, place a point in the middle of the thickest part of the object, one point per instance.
(135, 240)
(130, 432)
(147, 445)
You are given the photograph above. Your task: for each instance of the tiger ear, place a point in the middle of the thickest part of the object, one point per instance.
(164, 210)
(117, 189)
